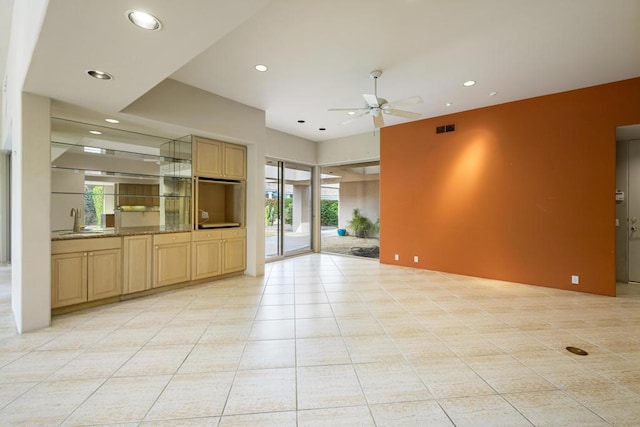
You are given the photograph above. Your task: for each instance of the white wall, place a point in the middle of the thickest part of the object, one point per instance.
(27, 118)
(211, 115)
(282, 146)
(364, 195)
(30, 216)
(351, 149)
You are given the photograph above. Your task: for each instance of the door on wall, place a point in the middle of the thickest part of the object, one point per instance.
(634, 211)
(297, 208)
(288, 207)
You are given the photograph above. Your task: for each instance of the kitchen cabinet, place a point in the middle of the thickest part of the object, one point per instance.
(137, 261)
(68, 279)
(85, 270)
(217, 252)
(216, 159)
(171, 259)
(206, 249)
(234, 254)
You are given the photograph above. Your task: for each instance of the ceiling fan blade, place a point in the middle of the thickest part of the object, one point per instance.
(378, 120)
(371, 100)
(357, 116)
(402, 113)
(348, 109)
(407, 101)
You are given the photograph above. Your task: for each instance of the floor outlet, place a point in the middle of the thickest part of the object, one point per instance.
(575, 280)
(397, 257)
(415, 259)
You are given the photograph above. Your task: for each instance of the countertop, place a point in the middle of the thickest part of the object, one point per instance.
(117, 232)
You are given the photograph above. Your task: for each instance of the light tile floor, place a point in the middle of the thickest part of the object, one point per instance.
(330, 340)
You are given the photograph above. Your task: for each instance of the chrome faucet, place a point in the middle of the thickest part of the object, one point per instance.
(75, 213)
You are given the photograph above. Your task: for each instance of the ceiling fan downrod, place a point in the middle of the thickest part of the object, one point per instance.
(374, 75)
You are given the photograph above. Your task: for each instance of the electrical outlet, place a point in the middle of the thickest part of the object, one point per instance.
(415, 258)
(205, 215)
(575, 280)
(397, 257)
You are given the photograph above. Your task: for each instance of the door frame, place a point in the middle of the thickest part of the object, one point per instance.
(281, 166)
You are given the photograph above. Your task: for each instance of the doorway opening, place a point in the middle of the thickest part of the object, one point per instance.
(350, 209)
(628, 208)
(288, 206)
(5, 208)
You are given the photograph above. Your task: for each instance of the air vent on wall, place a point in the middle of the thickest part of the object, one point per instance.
(446, 128)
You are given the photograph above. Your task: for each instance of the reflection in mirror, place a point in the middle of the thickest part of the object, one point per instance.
(118, 178)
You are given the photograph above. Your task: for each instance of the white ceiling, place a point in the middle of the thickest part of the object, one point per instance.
(320, 53)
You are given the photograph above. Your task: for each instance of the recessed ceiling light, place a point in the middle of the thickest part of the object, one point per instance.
(100, 75)
(493, 93)
(114, 121)
(351, 113)
(448, 104)
(261, 68)
(95, 132)
(144, 20)
(469, 83)
(301, 121)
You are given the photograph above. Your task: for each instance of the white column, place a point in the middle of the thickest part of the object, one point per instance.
(30, 215)
(255, 210)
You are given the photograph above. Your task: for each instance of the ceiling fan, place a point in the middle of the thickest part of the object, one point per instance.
(375, 106)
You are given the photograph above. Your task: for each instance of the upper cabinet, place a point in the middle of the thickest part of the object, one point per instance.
(216, 159)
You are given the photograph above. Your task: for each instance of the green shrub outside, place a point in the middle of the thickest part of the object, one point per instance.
(329, 212)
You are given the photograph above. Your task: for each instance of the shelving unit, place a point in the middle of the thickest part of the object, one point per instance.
(141, 180)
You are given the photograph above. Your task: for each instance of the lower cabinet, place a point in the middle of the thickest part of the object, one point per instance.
(171, 258)
(137, 259)
(217, 252)
(206, 253)
(85, 270)
(234, 244)
(91, 269)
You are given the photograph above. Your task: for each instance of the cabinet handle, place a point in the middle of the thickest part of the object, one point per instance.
(85, 254)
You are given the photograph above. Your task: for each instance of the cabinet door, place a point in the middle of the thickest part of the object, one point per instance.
(171, 264)
(233, 254)
(235, 160)
(208, 158)
(137, 264)
(206, 259)
(104, 269)
(68, 279)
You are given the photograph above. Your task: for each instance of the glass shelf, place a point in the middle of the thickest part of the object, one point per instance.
(70, 132)
(97, 174)
(110, 152)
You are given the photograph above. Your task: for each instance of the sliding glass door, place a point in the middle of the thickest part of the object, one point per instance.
(288, 207)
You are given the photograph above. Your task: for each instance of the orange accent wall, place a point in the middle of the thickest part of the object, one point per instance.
(522, 191)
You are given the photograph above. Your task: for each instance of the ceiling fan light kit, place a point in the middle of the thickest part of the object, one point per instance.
(374, 106)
